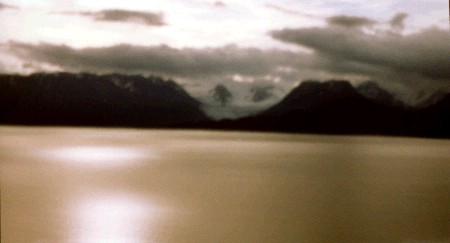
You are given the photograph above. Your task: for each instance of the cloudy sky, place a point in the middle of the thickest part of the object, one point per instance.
(402, 44)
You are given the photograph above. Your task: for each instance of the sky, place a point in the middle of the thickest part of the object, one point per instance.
(404, 45)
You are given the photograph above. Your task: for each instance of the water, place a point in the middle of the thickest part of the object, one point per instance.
(120, 185)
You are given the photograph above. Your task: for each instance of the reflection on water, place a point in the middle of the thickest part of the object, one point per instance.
(113, 218)
(95, 156)
(198, 186)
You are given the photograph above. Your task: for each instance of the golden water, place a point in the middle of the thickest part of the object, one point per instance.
(122, 185)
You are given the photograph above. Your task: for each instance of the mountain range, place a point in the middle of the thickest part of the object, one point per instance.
(331, 107)
(95, 100)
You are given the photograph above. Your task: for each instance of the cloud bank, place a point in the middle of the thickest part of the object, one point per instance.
(424, 53)
(187, 62)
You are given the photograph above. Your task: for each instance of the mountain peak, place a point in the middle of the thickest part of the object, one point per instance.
(311, 95)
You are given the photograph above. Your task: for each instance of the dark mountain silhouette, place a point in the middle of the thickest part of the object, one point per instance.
(313, 95)
(97, 100)
(336, 107)
(434, 120)
(332, 107)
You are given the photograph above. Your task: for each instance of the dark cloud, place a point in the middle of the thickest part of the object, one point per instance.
(187, 62)
(119, 15)
(424, 53)
(398, 21)
(350, 21)
(219, 4)
(6, 6)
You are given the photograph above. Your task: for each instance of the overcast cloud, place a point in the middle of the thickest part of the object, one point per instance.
(186, 62)
(339, 50)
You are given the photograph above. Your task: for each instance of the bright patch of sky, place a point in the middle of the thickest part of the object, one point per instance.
(196, 23)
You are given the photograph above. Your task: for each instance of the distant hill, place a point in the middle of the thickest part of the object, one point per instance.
(97, 100)
(336, 107)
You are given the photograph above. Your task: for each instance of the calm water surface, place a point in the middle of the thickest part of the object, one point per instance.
(120, 185)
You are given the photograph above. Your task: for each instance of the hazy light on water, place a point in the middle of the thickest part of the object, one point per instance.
(98, 156)
(114, 218)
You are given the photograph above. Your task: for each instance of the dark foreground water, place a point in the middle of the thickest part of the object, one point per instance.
(117, 185)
